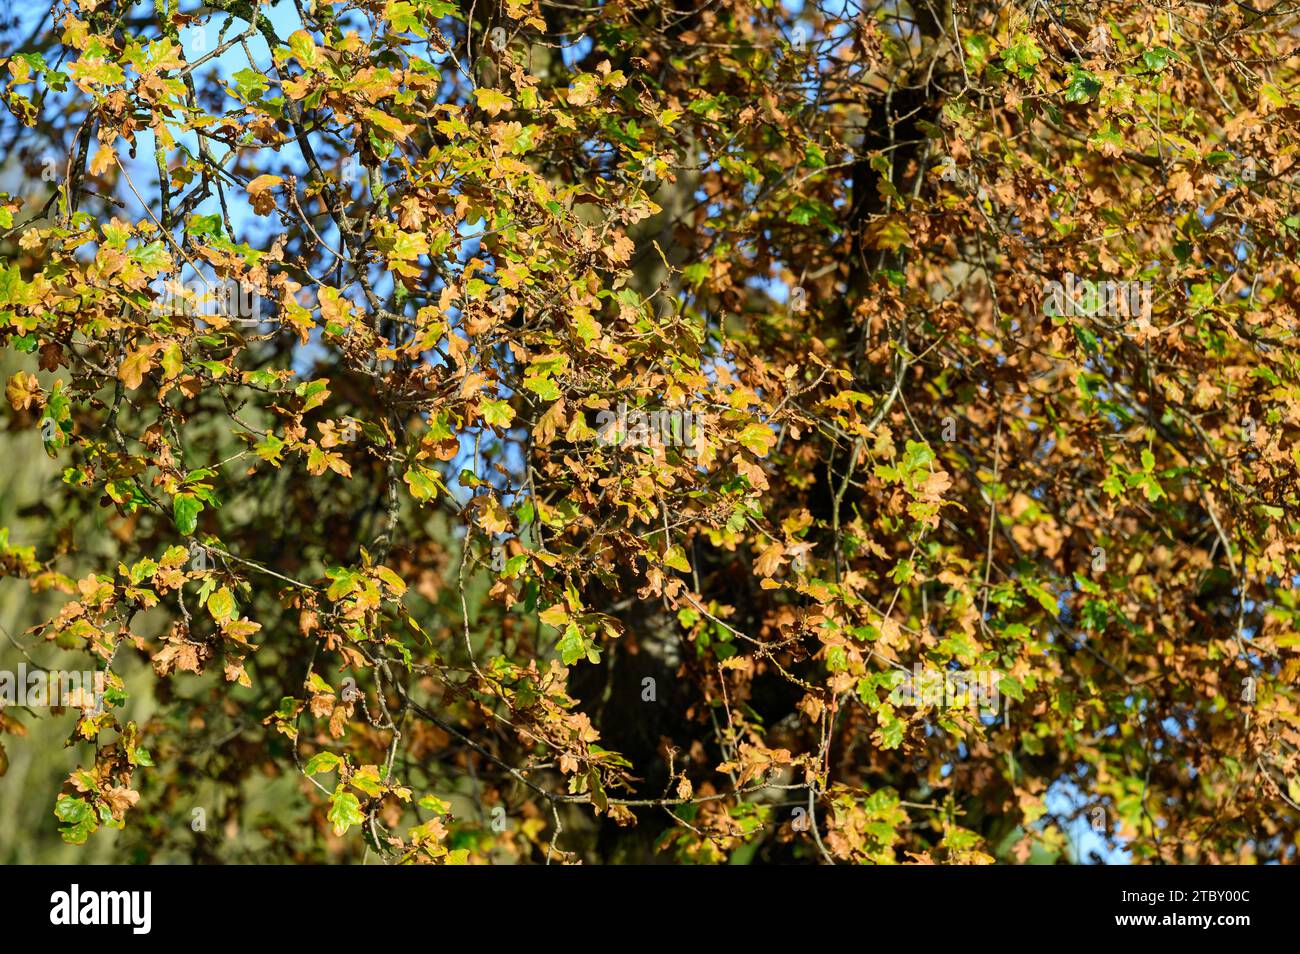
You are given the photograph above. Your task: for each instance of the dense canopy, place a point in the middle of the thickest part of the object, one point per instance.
(691, 430)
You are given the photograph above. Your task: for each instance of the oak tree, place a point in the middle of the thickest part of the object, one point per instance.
(707, 431)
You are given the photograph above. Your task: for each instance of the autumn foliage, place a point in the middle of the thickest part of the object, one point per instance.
(551, 432)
